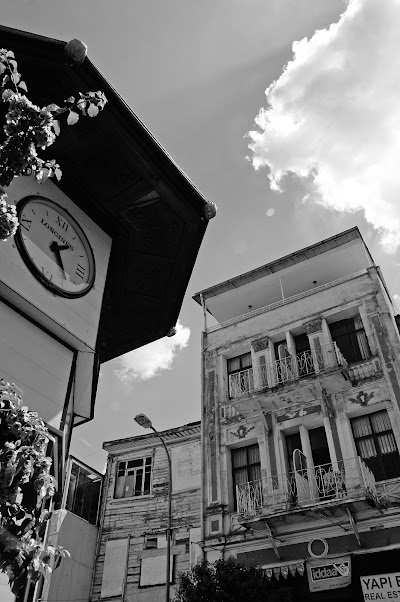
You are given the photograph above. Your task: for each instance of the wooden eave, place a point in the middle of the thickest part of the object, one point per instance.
(117, 172)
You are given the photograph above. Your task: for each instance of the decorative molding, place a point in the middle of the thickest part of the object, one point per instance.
(298, 412)
(389, 404)
(242, 431)
(313, 326)
(260, 344)
(362, 398)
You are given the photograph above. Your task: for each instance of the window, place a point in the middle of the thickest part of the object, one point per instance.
(133, 478)
(246, 465)
(350, 337)
(84, 490)
(240, 375)
(376, 444)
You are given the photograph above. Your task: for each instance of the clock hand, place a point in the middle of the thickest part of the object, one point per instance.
(56, 250)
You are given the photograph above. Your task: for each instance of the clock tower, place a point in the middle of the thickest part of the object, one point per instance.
(101, 260)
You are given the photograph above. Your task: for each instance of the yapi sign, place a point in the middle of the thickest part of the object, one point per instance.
(329, 573)
(381, 587)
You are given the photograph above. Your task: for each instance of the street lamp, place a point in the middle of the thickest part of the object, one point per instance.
(146, 423)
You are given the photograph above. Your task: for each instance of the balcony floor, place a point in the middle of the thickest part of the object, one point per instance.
(331, 510)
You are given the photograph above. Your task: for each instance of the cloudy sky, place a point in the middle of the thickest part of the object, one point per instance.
(283, 112)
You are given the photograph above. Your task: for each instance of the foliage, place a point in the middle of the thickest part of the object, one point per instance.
(29, 128)
(26, 486)
(223, 581)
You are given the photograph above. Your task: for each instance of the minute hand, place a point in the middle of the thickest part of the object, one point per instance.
(56, 248)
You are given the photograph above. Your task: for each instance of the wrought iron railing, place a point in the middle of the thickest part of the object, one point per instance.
(292, 367)
(306, 487)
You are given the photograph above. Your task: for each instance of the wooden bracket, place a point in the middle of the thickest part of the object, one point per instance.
(354, 526)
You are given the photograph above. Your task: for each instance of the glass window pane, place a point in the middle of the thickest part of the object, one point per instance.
(139, 481)
(239, 457)
(147, 480)
(361, 426)
(366, 448)
(233, 364)
(246, 360)
(253, 454)
(120, 488)
(380, 422)
(387, 443)
(255, 473)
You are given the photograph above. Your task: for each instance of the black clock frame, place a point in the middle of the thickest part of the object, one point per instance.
(32, 267)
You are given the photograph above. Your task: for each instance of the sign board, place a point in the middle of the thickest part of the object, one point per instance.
(381, 587)
(329, 573)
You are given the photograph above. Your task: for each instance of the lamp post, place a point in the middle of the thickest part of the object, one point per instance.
(146, 423)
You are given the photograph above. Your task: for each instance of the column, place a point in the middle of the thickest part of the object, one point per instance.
(315, 337)
(259, 350)
(312, 481)
(331, 444)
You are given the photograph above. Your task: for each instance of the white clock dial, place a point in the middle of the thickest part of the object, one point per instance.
(54, 247)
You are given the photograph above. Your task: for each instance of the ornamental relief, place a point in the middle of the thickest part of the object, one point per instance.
(260, 344)
(313, 326)
(241, 432)
(366, 396)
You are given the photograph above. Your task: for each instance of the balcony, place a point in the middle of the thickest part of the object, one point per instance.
(369, 368)
(309, 488)
(288, 369)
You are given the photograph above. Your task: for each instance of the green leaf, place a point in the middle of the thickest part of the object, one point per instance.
(16, 77)
(7, 94)
(52, 107)
(58, 174)
(70, 99)
(2, 67)
(73, 118)
(56, 126)
(92, 110)
(22, 85)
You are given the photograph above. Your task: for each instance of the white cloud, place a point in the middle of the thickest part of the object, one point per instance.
(270, 212)
(149, 360)
(333, 116)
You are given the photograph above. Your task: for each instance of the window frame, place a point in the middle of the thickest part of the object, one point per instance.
(375, 438)
(351, 329)
(240, 369)
(135, 470)
(247, 466)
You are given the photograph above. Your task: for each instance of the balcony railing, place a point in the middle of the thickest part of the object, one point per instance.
(306, 487)
(366, 369)
(292, 367)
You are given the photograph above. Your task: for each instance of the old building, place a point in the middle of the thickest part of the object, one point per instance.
(301, 394)
(131, 557)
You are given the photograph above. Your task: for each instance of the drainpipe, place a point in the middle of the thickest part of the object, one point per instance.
(102, 512)
(203, 491)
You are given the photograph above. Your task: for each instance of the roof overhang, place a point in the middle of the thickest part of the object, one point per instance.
(117, 172)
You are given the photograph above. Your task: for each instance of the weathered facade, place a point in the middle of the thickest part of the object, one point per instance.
(131, 559)
(302, 423)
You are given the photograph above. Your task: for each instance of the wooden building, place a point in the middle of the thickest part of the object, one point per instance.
(131, 559)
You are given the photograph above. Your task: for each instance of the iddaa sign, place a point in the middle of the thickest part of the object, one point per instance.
(329, 573)
(381, 587)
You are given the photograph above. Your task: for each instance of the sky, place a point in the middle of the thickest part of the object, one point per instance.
(284, 113)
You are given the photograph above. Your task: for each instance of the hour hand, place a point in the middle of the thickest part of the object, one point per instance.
(55, 248)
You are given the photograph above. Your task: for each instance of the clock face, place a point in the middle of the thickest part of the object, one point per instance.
(54, 247)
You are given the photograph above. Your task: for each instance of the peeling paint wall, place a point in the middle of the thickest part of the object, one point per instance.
(329, 399)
